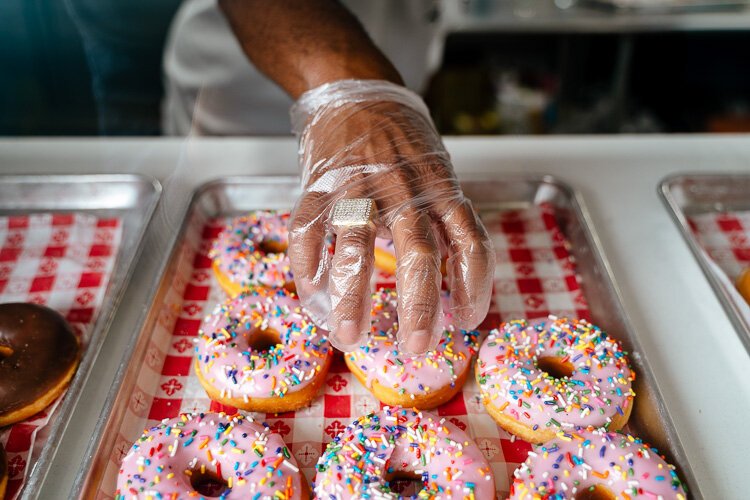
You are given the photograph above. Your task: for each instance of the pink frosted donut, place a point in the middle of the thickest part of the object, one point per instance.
(178, 457)
(425, 381)
(619, 465)
(385, 255)
(260, 351)
(540, 378)
(379, 447)
(251, 251)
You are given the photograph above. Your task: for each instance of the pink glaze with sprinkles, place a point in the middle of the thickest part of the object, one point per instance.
(253, 462)
(573, 463)
(238, 250)
(373, 447)
(228, 361)
(381, 360)
(598, 388)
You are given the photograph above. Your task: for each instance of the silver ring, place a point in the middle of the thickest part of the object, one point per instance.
(353, 212)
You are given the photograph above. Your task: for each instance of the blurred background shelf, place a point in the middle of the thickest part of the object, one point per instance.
(595, 16)
(507, 67)
(544, 66)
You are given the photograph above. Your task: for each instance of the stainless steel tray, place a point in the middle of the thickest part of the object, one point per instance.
(133, 199)
(646, 7)
(692, 194)
(228, 196)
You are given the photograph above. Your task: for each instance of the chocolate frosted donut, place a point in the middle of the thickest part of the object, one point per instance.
(38, 356)
(3, 472)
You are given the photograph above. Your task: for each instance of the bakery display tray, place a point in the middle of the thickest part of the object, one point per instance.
(235, 195)
(646, 7)
(688, 195)
(130, 198)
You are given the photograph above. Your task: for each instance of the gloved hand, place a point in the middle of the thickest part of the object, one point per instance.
(375, 139)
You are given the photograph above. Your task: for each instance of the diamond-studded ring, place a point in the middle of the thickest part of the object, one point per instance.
(353, 212)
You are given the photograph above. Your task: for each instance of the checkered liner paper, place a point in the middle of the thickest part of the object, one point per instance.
(63, 261)
(725, 239)
(725, 236)
(535, 276)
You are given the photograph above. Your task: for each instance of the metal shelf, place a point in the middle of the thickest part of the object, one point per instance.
(545, 16)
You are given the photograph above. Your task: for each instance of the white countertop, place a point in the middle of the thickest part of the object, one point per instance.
(699, 362)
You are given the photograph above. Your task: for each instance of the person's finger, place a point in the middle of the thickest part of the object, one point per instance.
(349, 286)
(418, 280)
(470, 265)
(309, 256)
(351, 271)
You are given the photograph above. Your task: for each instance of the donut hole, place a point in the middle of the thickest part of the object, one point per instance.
(6, 350)
(263, 340)
(595, 492)
(272, 246)
(275, 247)
(207, 483)
(405, 484)
(555, 367)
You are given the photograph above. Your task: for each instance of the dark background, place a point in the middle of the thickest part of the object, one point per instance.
(590, 83)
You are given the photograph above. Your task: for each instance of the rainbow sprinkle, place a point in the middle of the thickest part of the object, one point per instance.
(598, 387)
(373, 448)
(241, 457)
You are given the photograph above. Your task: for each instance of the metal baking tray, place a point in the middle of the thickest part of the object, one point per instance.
(692, 194)
(132, 198)
(228, 196)
(646, 7)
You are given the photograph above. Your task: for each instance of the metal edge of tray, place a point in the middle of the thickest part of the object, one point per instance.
(115, 291)
(106, 420)
(685, 470)
(664, 190)
(147, 317)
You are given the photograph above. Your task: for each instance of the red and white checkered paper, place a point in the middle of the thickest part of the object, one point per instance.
(535, 276)
(63, 261)
(725, 236)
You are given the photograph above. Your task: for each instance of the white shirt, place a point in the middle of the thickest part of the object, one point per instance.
(211, 88)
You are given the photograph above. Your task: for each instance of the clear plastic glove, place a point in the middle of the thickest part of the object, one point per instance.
(374, 139)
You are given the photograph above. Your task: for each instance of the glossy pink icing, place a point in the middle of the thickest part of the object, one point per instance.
(572, 463)
(356, 462)
(229, 363)
(599, 387)
(238, 250)
(254, 462)
(381, 360)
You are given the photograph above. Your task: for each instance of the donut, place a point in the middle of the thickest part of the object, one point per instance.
(401, 443)
(595, 465)
(545, 377)
(251, 251)
(743, 284)
(261, 352)
(385, 257)
(425, 381)
(3, 472)
(39, 354)
(211, 454)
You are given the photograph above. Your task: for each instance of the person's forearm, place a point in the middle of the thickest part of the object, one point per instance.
(301, 44)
